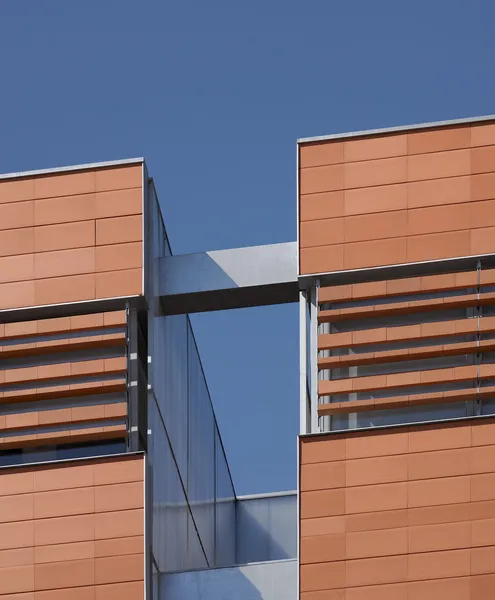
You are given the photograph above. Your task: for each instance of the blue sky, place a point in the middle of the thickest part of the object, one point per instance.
(214, 95)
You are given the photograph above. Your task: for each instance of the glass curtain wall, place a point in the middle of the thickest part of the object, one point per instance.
(191, 487)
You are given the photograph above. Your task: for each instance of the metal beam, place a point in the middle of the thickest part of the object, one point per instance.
(225, 279)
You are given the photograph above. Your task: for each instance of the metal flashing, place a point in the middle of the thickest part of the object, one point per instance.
(267, 495)
(373, 428)
(400, 128)
(83, 167)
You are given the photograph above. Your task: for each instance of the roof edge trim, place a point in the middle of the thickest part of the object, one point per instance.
(370, 132)
(84, 167)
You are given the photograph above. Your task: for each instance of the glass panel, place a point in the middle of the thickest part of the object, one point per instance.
(225, 517)
(201, 467)
(189, 468)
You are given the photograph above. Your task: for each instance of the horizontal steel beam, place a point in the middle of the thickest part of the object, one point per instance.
(226, 279)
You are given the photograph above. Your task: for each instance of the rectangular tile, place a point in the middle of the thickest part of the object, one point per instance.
(80, 234)
(438, 165)
(66, 209)
(375, 172)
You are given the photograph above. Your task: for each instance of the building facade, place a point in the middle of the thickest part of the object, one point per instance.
(396, 231)
(114, 482)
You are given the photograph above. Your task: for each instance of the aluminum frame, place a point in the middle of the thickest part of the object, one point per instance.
(303, 362)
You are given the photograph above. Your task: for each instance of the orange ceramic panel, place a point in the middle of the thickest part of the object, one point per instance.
(399, 513)
(421, 190)
(66, 543)
(50, 226)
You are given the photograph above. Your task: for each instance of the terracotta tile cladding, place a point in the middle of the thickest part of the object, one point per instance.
(64, 184)
(323, 548)
(439, 245)
(391, 496)
(64, 289)
(458, 588)
(438, 165)
(322, 259)
(371, 544)
(444, 536)
(483, 213)
(377, 199)
(321, 154)
(15, 580)
(119, 546)
(125, 523)
(440, 463)
(324, 503)
(322, 233)
(118, 178)
(64, 552)
(438, 219)
(323, 476)
(118, 203)
(123, 496)
(16, 190)
(483, 134)
(433, 192)
(119, 283)
(19, 534)
(483, 532)
(118, 569)
(65, 209)
(483, 186)
(74, 573)
(375, 172)
(373, 571)
(60, 263)
(321, 179)
(483, 160)
(17, 557)
(324, 595)
(374, 253)
(120, 591)
(395, 591)
(482, 241)
(428, 438)
(16, 241)
(322, 450)
(376, 226)
(372, 471)
(323, 576)
(326, 205)
(14, 216)
(439, 565)
(64, 236)
(376, 444)
(430, 492)
(378, 520)
(323, 526)
(16, 508)
(64, 502)
(437, 140)
(119, 230)
(16, 268)
(372, 148)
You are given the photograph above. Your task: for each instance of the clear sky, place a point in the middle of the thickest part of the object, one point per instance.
(214, 94)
